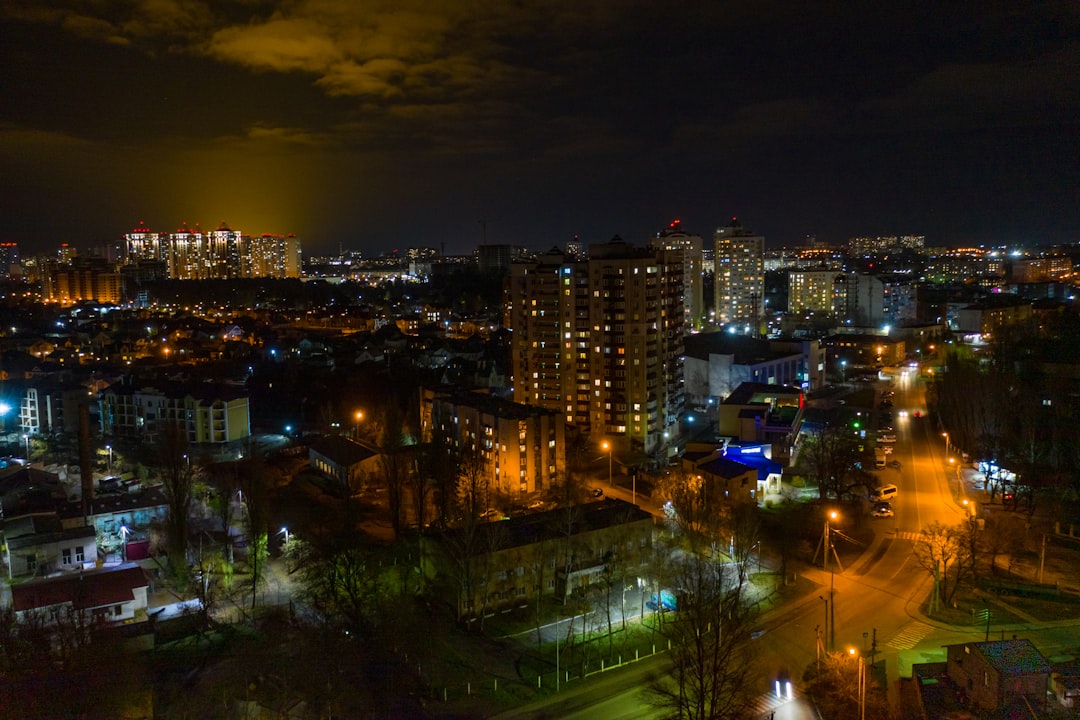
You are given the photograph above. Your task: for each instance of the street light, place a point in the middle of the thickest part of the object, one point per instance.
(607, 446)
(843, 372)
(109, 448)
(359, 416)
(826, 546)
(26, 439)
(123, 542)
(862, 685)
(285, 547)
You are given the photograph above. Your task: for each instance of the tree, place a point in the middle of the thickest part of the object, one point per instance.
(177, 483)
(395, 466)
(828, 457)
(713, 661)
(835, 688)
(256, 503)
(935, 550)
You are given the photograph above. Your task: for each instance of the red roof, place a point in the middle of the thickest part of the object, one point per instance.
(86, 590)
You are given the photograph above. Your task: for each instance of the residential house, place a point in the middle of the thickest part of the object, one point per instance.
(1000, 672)
(560, 553)
(39, 544)
(348, 462)
(112, 594)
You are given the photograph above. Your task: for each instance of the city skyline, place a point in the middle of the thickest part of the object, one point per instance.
(369, 128)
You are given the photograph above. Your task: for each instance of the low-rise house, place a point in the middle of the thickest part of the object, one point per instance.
(111, 594)
(39, 544)
(559, 553)
(348, 462)
(759, 413)
(725, 482)
(1000, 672)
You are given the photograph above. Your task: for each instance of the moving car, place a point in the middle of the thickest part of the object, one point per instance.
(886, 438)
(598, 492)
(881, 512)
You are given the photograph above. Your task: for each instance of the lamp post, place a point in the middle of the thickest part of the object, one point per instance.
(109, 448)
(843, 372)
(26, 439)
(607, 446)
(358, 416)
(861, 685)
(825, 636)
(123, 542)
(946, 436)
(285, 547)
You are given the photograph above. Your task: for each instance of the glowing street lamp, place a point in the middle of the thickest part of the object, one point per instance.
(861, 685)
(607, 446)
(359, 416)
(109, 448)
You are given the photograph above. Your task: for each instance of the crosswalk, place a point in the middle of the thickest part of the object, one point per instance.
(765, 703)
(909, 636)
(907, 535)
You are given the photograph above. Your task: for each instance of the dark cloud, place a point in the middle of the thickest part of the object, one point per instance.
(359, 120)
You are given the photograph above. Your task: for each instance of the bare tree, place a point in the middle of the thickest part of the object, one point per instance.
(712, 657)
(395, 466)
(936, 549)
(835, 689)
(828, 457)
(177, 483)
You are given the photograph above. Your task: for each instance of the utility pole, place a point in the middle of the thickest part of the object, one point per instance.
(1042, 558)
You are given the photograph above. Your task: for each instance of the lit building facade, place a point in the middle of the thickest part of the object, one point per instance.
(521, 448)
(224, 253)
(739, 266)
(673, 237)
(81, 279)
(208, 415)
(601, 340)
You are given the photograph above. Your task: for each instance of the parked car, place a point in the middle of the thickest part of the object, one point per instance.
(886, 438)
(598, 492)
(881, 513)
(492, 514)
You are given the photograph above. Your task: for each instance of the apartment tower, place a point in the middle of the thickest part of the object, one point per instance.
(600, 340)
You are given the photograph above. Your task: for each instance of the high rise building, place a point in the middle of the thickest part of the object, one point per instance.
(601, 340)
(275, 256)
(850, 298)
(673, 237)
(821, 292)
(191, 254)
(9, 259)
(141, 244)
(81, 279)
(740, 277)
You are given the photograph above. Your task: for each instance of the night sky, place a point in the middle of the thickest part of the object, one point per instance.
(381, 125)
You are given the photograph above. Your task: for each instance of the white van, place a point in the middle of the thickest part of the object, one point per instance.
(885, 492)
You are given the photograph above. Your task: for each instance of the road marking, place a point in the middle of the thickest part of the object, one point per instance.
(912, 633)
(766, 703)
(907, 535)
